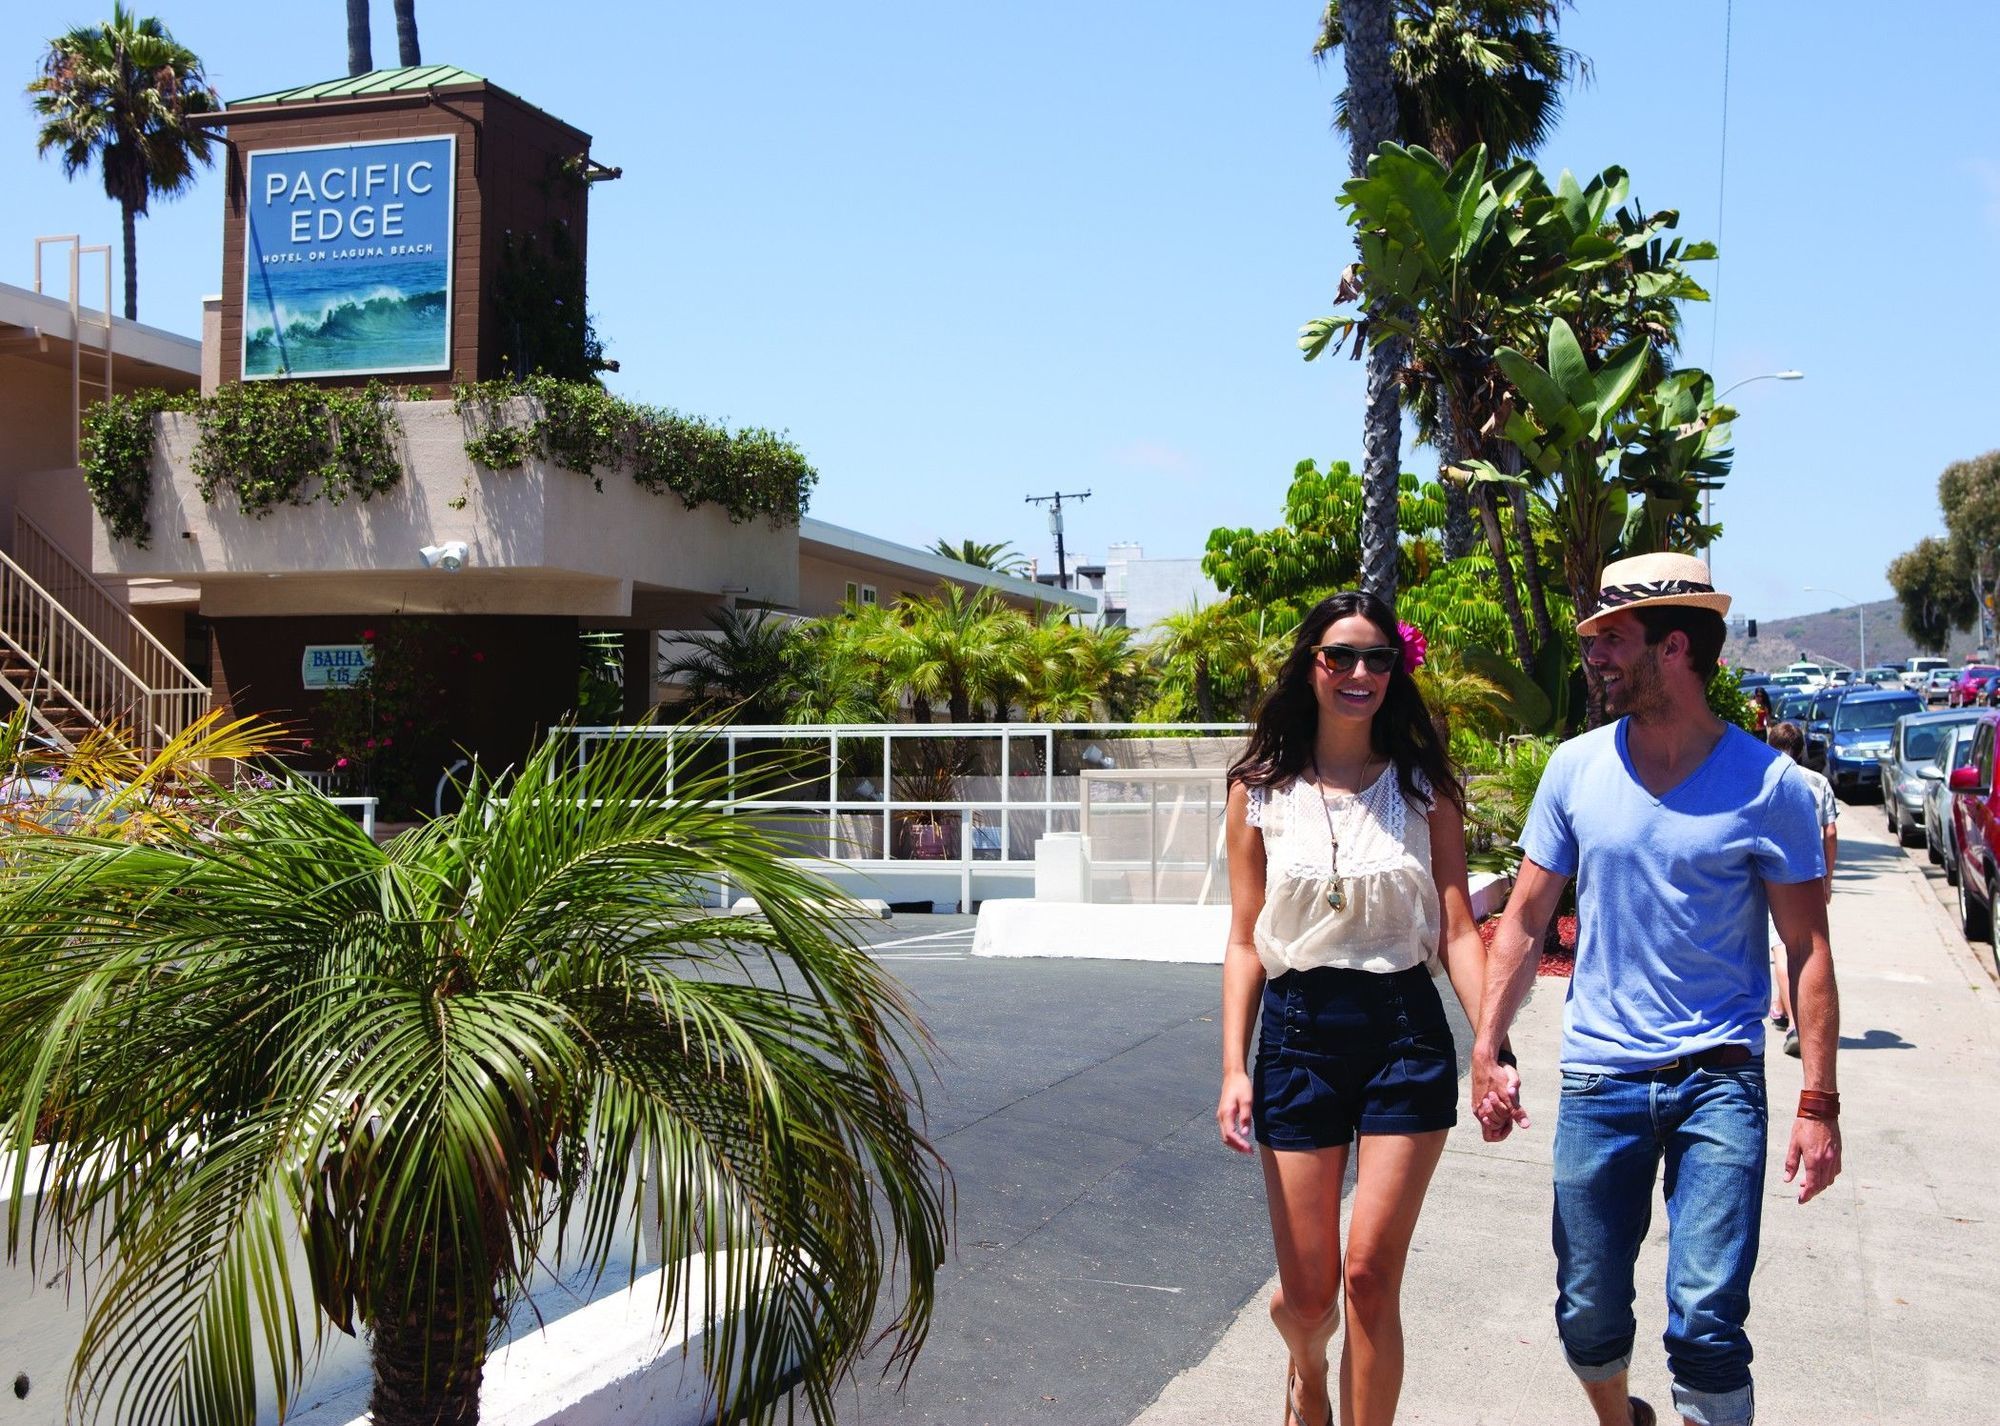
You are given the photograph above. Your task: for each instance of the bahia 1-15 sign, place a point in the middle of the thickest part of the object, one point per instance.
(347, 259)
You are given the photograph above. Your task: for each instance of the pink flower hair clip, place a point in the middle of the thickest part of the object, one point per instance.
(1415, 646)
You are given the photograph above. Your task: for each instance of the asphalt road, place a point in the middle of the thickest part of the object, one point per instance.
(1104, 1237)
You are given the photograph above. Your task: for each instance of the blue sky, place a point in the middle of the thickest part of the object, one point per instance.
(965, 253)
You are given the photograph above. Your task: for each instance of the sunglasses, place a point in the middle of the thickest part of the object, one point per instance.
(1341, 658)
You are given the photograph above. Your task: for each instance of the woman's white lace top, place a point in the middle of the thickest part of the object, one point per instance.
(1391, 918)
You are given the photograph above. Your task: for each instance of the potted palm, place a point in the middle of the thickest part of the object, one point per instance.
(508, 1032)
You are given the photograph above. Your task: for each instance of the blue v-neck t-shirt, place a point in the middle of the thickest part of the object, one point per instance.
(1671, 955)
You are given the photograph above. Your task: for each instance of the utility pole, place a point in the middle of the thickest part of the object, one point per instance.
(1054, 502)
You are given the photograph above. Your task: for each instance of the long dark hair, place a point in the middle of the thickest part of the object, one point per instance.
(1281, 743)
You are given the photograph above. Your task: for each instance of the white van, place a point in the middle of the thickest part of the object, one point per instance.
(1921, 667)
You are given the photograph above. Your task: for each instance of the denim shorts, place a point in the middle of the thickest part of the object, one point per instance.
(1343, 1052)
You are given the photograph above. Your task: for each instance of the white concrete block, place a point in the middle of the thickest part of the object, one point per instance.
(1062, 867)
(1190, 934)
(1489, 893)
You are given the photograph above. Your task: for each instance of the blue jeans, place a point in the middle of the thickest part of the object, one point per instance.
(1611, 1134)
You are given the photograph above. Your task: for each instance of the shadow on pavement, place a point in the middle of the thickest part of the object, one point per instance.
(1876, 1040)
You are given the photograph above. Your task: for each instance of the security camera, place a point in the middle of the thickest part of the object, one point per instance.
(449, 557)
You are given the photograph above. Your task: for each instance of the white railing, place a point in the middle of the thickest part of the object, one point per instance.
(954, 799)
(69, 664)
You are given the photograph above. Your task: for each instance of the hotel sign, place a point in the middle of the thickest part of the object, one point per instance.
(347, 259)
(334, 665)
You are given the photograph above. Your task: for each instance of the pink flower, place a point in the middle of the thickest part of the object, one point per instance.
(1415, 646)
(367, 636)
(307, 743)
(387, 741)
(478, 657)
(340, 762)
(370, 743)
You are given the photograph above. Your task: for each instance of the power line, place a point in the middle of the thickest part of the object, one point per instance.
(1054, 502)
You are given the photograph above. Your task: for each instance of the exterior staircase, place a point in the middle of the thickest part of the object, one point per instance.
(72, 653)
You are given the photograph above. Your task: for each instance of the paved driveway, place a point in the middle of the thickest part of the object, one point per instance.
(1105, 1239)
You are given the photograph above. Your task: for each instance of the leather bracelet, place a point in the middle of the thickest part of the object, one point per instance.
(1819, 1104)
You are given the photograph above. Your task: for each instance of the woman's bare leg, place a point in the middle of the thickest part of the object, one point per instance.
(1389, 1186)
(1303, 1190)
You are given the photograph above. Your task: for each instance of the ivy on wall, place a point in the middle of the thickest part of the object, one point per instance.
(582, 427)
(272, 443)
(266, 444)
(118, 440)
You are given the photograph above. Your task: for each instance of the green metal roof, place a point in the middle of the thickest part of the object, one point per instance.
(364, 86)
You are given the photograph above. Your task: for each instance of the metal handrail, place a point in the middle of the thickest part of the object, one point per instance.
(78, 668)
(1036, 797)
(78, 590)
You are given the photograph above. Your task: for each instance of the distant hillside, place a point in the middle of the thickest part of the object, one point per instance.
(1832, 637)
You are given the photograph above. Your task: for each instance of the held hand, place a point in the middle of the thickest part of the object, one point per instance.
(1232, 1112)
(1815, 1146)
(1496, 1098)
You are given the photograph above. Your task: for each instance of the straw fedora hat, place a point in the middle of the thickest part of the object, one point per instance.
(1649, 581)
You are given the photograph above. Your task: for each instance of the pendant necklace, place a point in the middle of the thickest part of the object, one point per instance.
(1336, 891)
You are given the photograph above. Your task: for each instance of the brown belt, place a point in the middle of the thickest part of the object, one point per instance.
(1721, 1057)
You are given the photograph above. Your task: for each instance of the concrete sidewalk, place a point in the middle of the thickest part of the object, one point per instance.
(1879, 1302)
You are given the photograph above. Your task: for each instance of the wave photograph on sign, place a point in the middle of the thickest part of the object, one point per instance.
(347, 259)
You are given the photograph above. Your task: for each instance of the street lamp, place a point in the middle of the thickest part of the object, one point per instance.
(1860, 622)
(1708, 496)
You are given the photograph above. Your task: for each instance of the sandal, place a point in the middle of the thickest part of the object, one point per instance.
(1293, 1417)
(1642, 1414)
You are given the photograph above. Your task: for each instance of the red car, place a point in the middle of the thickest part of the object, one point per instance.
(1966, 688)
(1975, 821)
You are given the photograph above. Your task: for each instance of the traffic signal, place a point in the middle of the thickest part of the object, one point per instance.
(1752, 630)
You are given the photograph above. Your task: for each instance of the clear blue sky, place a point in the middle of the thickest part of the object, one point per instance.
(968, 253)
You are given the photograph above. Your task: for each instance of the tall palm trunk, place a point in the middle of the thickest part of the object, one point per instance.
(131, 212)
(360, 47)
(407, 53)
(1371, 116)
(1459, 531)
(1503, 568)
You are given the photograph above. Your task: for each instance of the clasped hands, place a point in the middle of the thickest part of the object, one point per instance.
(1496, 1097)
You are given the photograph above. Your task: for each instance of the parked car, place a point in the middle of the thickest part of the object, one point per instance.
(1975, 821)
(1819, 725)
(1863, 724)
(1792, 704)
(1937, 684)
(1965, 683)
(1910, 768)
(1923, 666)
(1940, 840)
(1883, 676)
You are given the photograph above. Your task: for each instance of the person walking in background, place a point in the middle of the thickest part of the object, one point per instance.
(1760, 711)
(1347, 885)
(1790, 739)
(1679, 829)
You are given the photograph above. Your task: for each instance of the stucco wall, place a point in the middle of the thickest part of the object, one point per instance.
(539, 522)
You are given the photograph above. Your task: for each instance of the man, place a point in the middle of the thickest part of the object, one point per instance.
(1680, 829)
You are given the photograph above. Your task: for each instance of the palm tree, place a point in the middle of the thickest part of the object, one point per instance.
(122, 92)
(408, 54)
(1361, 29)
(955, 645)
(1000, 556)
(1488, 72)
(739, 672)
(1213, 652)
(360, 45)
(419, 1059)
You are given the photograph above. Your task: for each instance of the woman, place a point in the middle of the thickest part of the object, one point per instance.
(1347, 883)
(1760, 712)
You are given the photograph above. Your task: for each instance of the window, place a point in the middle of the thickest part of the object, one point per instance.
(868, 594)
(853, 595)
